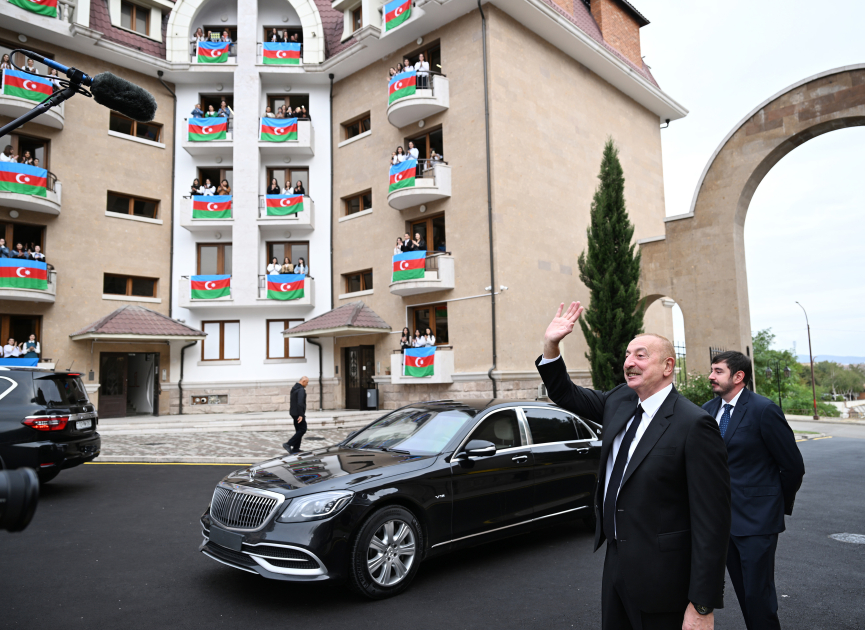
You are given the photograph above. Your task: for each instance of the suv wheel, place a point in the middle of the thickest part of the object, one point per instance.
(386, 553)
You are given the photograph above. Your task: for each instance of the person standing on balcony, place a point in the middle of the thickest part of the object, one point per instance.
(195, 189)
(415, 154)
(37, 254)
(268, 113)
(208, 188)
(398, 247)
(224, 188)
(422, 69)
(211, 112)
(274, 268)
(20, 253)
(26, 158)
(405, 339)
(6, 63)
(419, 340)
(274, 36)
(226, 37)
(11, 349)
(297, 411)
(199, 36)
(287, 266)
(197, 112)
(407, 245)
(4, 251)
(392, 73)
(398, 68)
(273, 189)
(301, 267)
(31, 348)
(224, 110)
(31, 67)
(418, 244)
(299, 189)
(7, 156)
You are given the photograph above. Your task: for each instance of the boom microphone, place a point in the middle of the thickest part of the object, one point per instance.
(108, 90)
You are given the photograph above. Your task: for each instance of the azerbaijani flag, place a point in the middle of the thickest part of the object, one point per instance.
(420, 361)
(23, 179)
(402, 175)
(16, 273)
(26, 85)
(402, 84)
(408, 266)
(42, 7)
(285, 286)
(213, 52)
(278, 129)
(211, 206)
(209, 287)
(395, 13)
(281, 54)
(206, 129)
(283, 205)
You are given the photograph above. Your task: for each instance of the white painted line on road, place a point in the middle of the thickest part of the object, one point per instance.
(856, 539)
(163, 464)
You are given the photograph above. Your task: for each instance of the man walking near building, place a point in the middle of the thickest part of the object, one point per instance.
(297, 411)
(662, 501)
(766, 470)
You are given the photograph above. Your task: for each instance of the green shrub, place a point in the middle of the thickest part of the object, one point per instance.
(696, 388)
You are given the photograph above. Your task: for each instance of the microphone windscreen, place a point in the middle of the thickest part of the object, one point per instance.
(124, 97)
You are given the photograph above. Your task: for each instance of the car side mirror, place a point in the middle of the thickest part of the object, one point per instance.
(480, 448)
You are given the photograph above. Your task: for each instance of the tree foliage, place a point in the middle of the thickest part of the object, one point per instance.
(610, 268)
(697, 389)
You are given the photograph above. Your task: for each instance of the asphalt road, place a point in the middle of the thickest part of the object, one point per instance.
(115, 546)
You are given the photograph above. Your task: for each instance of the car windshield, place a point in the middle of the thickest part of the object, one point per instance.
(416, 431)
(60, 391)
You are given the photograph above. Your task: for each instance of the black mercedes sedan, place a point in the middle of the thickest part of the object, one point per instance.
(420, 481)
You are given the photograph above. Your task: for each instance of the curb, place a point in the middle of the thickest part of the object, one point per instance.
(116, 459)
(226, 426)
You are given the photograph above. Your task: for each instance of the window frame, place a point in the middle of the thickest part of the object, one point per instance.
(358, 122)
(272, 98)
(426, 133)
(7, 233)
(413, 310)
(132, 199)
(135, 123)
(220, 256)
(15, 138)
(356, 18)
(286, 340)
(268, 246)
(426, 51)
(291, 30)
(522, 435)
(135, 9)
(222, 323)
(346, 202)
(269, 175)
(362, 275)
(6, 329)
(429, 221)
(129, 280)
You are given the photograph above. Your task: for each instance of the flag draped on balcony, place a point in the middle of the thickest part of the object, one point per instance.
(42, 7)
(285, 286)
(408, 266)
(26, 85)
(419, 361)
(16, 273)
(209, 287)
(283, 205)
(402, 84)
(395, 13)
(278, 129)
(212, 52)
(23, 179)
(211, 206)
(207, 129)
(282, 54)
(402, 175)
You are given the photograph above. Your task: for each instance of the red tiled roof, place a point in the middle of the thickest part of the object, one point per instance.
(332, 22)
(137, 320)
(351, 315)
(100, 21)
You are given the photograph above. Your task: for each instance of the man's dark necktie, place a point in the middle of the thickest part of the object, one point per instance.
(725, 419)
(617, 474)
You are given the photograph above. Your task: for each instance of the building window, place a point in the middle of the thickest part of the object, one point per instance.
(214, 33)
(129, 285)
(289, 175)
(356, 127)
(279, 347)
(135, 18)
(358, 281)
(432, 231)
(30, 236)
(280, 30)
(222, 342)
(357, 19)
(293, 250)
(358, 203)
(214, 260)
(431, 53)
(428, 141)
(20, 327)
(146, 131)
(275, 101)
(124, 204)
(30, 147)
(434, 317)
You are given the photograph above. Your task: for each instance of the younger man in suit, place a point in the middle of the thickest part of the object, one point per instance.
(766, 470)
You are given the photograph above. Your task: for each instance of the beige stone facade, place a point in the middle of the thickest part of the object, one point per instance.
(549, 118)
(253, 397)
(82, 242)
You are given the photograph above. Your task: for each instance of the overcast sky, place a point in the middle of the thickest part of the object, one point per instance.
(804, 236)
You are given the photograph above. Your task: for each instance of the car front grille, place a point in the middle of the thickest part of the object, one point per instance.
(241, 510)
(230, 556)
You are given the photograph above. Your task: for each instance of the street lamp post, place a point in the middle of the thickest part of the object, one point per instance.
(811, 356)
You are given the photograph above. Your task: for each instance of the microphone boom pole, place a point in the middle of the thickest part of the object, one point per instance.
(41, 108)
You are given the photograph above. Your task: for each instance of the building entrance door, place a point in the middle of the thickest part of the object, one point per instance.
(128, 384)
(359, 370)
(113, 372)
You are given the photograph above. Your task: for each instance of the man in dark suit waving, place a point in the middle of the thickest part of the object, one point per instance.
(766, 470)
(663, 497)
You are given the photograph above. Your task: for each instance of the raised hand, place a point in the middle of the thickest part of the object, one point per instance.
(561, 326)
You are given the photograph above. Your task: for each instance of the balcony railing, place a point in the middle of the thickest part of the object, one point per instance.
(432, 183)
(29, 198)
(281, 56)
(278, 211)
(438, 276)
(307, 300)
(299, 142)
(430, 96)
(193, 53)
(32, 295)
(188, 301)
(14, 106)
(442, 372)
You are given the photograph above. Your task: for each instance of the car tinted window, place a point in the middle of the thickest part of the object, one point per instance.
(60, 391)
(501, 428)
(583, 431)
(550, 425)
(418, 431)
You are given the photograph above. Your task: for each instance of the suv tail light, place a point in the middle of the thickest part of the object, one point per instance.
(46, 423)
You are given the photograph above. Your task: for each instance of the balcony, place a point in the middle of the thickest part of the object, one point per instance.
(186, 300)
(49, 204)
(220, 145)
(438, 276)
(32, 295)
(271, 217)
(442, 373)
(304, 144)
(434, 184)
(280, 56)
(305, 302)
(196, 220)
(15, 106)
(208, 55)
(422, 104)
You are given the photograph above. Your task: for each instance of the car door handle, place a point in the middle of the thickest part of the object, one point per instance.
(582, 450)
(520, 458)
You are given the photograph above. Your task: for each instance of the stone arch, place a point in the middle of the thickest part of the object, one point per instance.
(183, 15)
(688, 262)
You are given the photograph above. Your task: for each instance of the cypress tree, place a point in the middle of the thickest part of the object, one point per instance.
(610, 269)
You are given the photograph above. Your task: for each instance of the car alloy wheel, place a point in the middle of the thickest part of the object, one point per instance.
(391, 553)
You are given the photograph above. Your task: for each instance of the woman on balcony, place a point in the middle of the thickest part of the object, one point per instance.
(6, 63)
(199, 36)
(273, 189)
(274, 268)
(197, 112)
(287, 266)
(211, 112)
(37, 254)
(224, 188)
(398, 250)
(273, 37)
(208, 188)
(226, 37)
(224, 110)
(419, 341)
(299, 189)
(398, 156)
(301, 267)
(429, 338)
(195, 189)
(31, 348)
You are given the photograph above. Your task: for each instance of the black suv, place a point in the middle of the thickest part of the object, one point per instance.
(47, 422)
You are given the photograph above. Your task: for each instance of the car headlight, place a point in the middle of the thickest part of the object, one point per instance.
(315, 506)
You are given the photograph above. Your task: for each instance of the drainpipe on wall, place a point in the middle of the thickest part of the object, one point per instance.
(320, 368)
(180, 382)
(331, 193)
(159, 73)
(489, 197)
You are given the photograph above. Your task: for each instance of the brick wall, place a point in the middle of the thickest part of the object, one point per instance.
(619, 29)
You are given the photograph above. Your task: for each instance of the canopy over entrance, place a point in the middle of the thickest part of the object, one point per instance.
(354, 318)
(135, 323)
